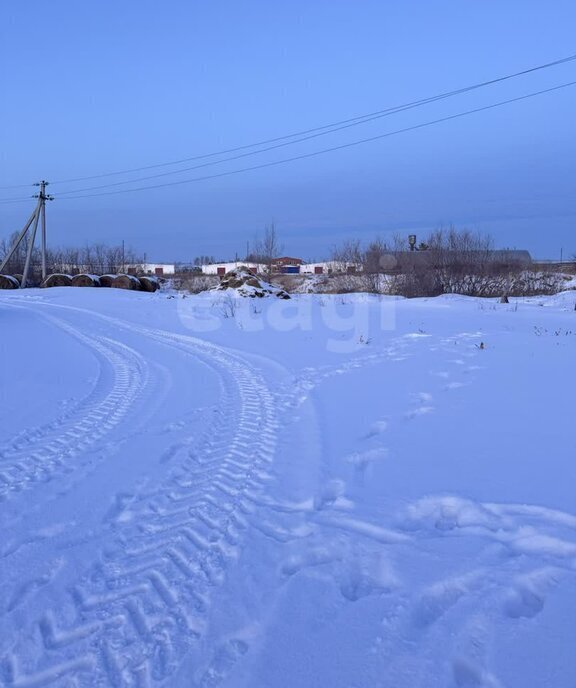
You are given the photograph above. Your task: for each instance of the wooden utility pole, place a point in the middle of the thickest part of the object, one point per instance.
(38, 214)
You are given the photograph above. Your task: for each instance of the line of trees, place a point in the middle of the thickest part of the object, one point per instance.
(204, 260)
(93, 258)
(448, 261)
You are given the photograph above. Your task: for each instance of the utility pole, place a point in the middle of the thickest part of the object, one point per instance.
(38, 214)
(31, 243)
(43, 199)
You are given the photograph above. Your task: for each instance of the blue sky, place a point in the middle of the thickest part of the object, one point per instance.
(96, 87)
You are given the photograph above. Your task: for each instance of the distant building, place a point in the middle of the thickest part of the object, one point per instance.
(330, 267)
(285, 261)
(391, 262)
(223, 268)
(158, 269)
(284, 265)
(399, 261)
(512, 257)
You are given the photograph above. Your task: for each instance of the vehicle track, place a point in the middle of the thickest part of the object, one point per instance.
(51, 449)
(144, 604)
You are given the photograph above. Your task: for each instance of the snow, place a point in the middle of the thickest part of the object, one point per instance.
(132, 278)
(335, 490)
(12, 280)
(241, 282)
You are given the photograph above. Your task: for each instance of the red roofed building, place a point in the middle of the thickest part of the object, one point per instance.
(281, 262)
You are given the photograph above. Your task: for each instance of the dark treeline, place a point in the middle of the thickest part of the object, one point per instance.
(448, 261)
(96, 258)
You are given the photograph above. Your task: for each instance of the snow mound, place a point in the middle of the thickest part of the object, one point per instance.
(245, 283)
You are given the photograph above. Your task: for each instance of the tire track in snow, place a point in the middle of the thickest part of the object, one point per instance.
(136, 614)
(26, 440)
(139, 611)
(52, 448)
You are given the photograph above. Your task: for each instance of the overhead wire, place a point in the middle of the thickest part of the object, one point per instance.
(15, 200)
(287, 140)
(228, 159)
(16, 186)
(332, 148)
(353, 121)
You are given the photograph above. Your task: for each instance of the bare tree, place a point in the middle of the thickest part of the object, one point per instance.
(94, 258)
(448, 261)
(204, 260)
(349, 252)
(376, 259)
(15, 265)
(365, 266)
(267, 249)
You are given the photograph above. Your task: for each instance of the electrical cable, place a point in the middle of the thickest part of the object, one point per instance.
(331, 149)
(354, 121)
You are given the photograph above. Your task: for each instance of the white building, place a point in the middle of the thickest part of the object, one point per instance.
(223, 268)
(323, 268)
(329, 267)
(159, 269)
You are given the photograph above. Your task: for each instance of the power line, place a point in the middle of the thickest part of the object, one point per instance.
(236, 157)
(223, 160)
(306, 135)
(16, 186)
(336, 126)
(333, 148)
(314, 132)
(15, 200)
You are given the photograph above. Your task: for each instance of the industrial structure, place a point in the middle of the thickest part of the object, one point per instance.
(39, 215)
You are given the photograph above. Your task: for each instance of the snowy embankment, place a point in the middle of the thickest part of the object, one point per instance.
(326, 491)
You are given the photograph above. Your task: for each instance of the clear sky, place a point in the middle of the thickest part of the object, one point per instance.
(93, 87)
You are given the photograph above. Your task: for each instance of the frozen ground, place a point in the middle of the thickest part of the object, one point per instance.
(342, 492)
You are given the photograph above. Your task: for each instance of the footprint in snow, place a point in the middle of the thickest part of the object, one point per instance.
(527, 596)
(368, 574)
(316, 556)
(420, 411)
(440, 373)
(466, 674)
(436, 600)
(362, 461)
(424, 399)
(330, 494)
(376, 428)
(454, 385)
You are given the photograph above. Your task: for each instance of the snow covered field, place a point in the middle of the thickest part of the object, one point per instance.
(326, 492)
